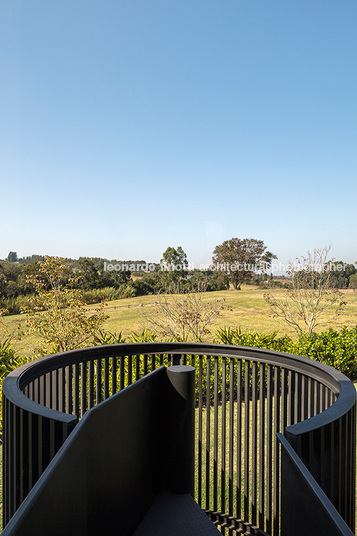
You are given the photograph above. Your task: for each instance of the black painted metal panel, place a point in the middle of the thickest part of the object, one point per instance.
(305, 507)
(112, 467)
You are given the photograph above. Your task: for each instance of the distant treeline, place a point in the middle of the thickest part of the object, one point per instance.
(97, 284)
(109, 279)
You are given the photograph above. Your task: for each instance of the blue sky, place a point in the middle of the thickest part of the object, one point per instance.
(131, 125)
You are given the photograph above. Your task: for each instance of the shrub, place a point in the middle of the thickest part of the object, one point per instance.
(15, 305)
(106, 294)
(337, 349)
(9, 360)
(110, 337)
(98, 295)
(254, 339)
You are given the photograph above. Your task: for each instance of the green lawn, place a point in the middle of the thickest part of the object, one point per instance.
(245, 308)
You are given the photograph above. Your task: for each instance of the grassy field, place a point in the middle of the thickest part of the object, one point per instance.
(245, 308)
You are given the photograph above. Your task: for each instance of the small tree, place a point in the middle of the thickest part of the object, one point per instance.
(57, 312)
(353, 281)
(183, 317)
(310, 294)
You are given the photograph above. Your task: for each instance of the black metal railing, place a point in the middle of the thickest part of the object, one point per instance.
(244, 398)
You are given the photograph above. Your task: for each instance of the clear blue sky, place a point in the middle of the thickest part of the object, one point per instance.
(131, 125)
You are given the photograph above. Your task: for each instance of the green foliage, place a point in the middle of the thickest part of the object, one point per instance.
(91, 276)
(175, 264)
(9, 360)
(12, 257)
(341, 272)
(152, 283)
(240, 259)
(10, 279)
(254, 339)
(217, 281)
(109, 337)
(146, 335)
(106, 294)
(31, 259)
(338, 349)
(59, 315)
(97, 285)
(98, 295)
(353, 281)
(176, 259)
(88, 278)
(16, 304)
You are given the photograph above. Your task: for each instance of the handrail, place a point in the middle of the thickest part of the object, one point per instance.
(13, 393)
(344, 403)
(331, 378)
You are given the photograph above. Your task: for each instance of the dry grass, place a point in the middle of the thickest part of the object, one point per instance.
(245, 308)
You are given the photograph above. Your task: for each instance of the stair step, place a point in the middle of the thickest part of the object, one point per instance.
(176, 515)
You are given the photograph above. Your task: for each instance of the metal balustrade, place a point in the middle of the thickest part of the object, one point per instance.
(244, 398)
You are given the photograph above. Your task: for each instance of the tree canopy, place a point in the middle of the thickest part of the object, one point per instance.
(240, 259)
(12, 257)
(175, 259)
(175, 265)
(58, 315)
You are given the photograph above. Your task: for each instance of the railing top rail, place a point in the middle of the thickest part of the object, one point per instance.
(13, 393)
(331, 378)
(315, 370)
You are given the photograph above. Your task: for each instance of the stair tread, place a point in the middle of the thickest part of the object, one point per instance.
(176, 515)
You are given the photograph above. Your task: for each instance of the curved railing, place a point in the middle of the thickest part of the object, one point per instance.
(244, 398)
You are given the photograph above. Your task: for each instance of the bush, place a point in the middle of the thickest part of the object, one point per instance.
(337, 349)
(15, 305)
(148, 284)
(110, 337)
(98, 295)
(9, 360)
(254, 339)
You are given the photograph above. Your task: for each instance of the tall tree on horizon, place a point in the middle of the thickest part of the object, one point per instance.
(12, 257)
(240, 258)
